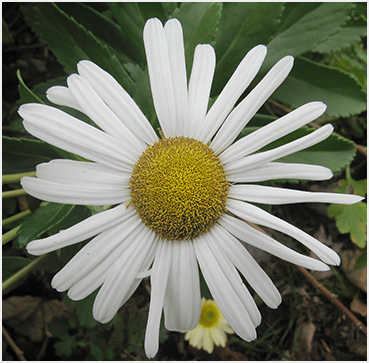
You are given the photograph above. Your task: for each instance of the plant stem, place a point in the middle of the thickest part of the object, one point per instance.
(14, 178)
(23, 272)
(13, 193)
(16, 217)
(10, 235)
(11, 342)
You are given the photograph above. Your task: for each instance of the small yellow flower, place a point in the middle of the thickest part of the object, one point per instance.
(212, 328)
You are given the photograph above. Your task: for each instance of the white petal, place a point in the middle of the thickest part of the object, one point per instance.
(241, 78)
(96, 252)
(257, 215)
(223, 293)
(161, 82)
(201, 79)
(159, 279)
(252, 236)
(92, 194)
(62, 96)
(272, 195)
(62, 130)
(174, 35)
(119, 101)
(122, 275)
(80, 172)
(232, 275)
(249, 268)
(243, 113)
(275, 170)
(273, 131)
(97, 277)
(98, 111)
(251, 161)
(89, 227)
(182, 304)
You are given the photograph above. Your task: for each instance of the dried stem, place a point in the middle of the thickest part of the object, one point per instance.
(333, 298)
(11, 342)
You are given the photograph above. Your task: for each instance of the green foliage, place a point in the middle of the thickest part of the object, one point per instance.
(25, 93)
(10, 266)
(312, 81)
(22, 155)
(242, 26)
(79, 335)
(50, 218)
(351, 218)
(71, 42)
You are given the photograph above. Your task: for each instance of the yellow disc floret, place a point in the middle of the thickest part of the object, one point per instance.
(210, 314)
(179, 188)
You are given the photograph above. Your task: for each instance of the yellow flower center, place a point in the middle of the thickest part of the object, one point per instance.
(179, 188)
(210, 314)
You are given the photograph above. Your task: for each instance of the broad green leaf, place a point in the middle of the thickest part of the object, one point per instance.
(349, 34)
(100, 25)
(142, 93)
(156, 10)
(243, 25)
(200, 24)
(307, 29)
(10, 266)
(311, 81)
(7, 37)
(352, 61)
(84, 311)
(131, 23)
(22, 155)
(27, 96)
(351, 218)
(71, 42)
(78, 214)
(41, 221)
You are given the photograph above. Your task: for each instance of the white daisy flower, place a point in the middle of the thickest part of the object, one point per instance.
(180, 200)
(211, 330)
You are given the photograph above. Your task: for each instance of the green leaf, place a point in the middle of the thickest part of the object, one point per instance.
(65, 347)
(100, 25)
(311, 81)
(22, 155)
(41, 221)
(7, 37)
(350, 34)
(71, 42)
(11, 265)
(131, 23)
(36, 95)
(142, 93)
(84, 311)
(351, 218)
(27, 96)
(242, 26)
(307, 26)
(200, 24)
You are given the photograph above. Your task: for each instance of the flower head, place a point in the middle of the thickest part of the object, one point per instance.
(211, 330)
(181, 200)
